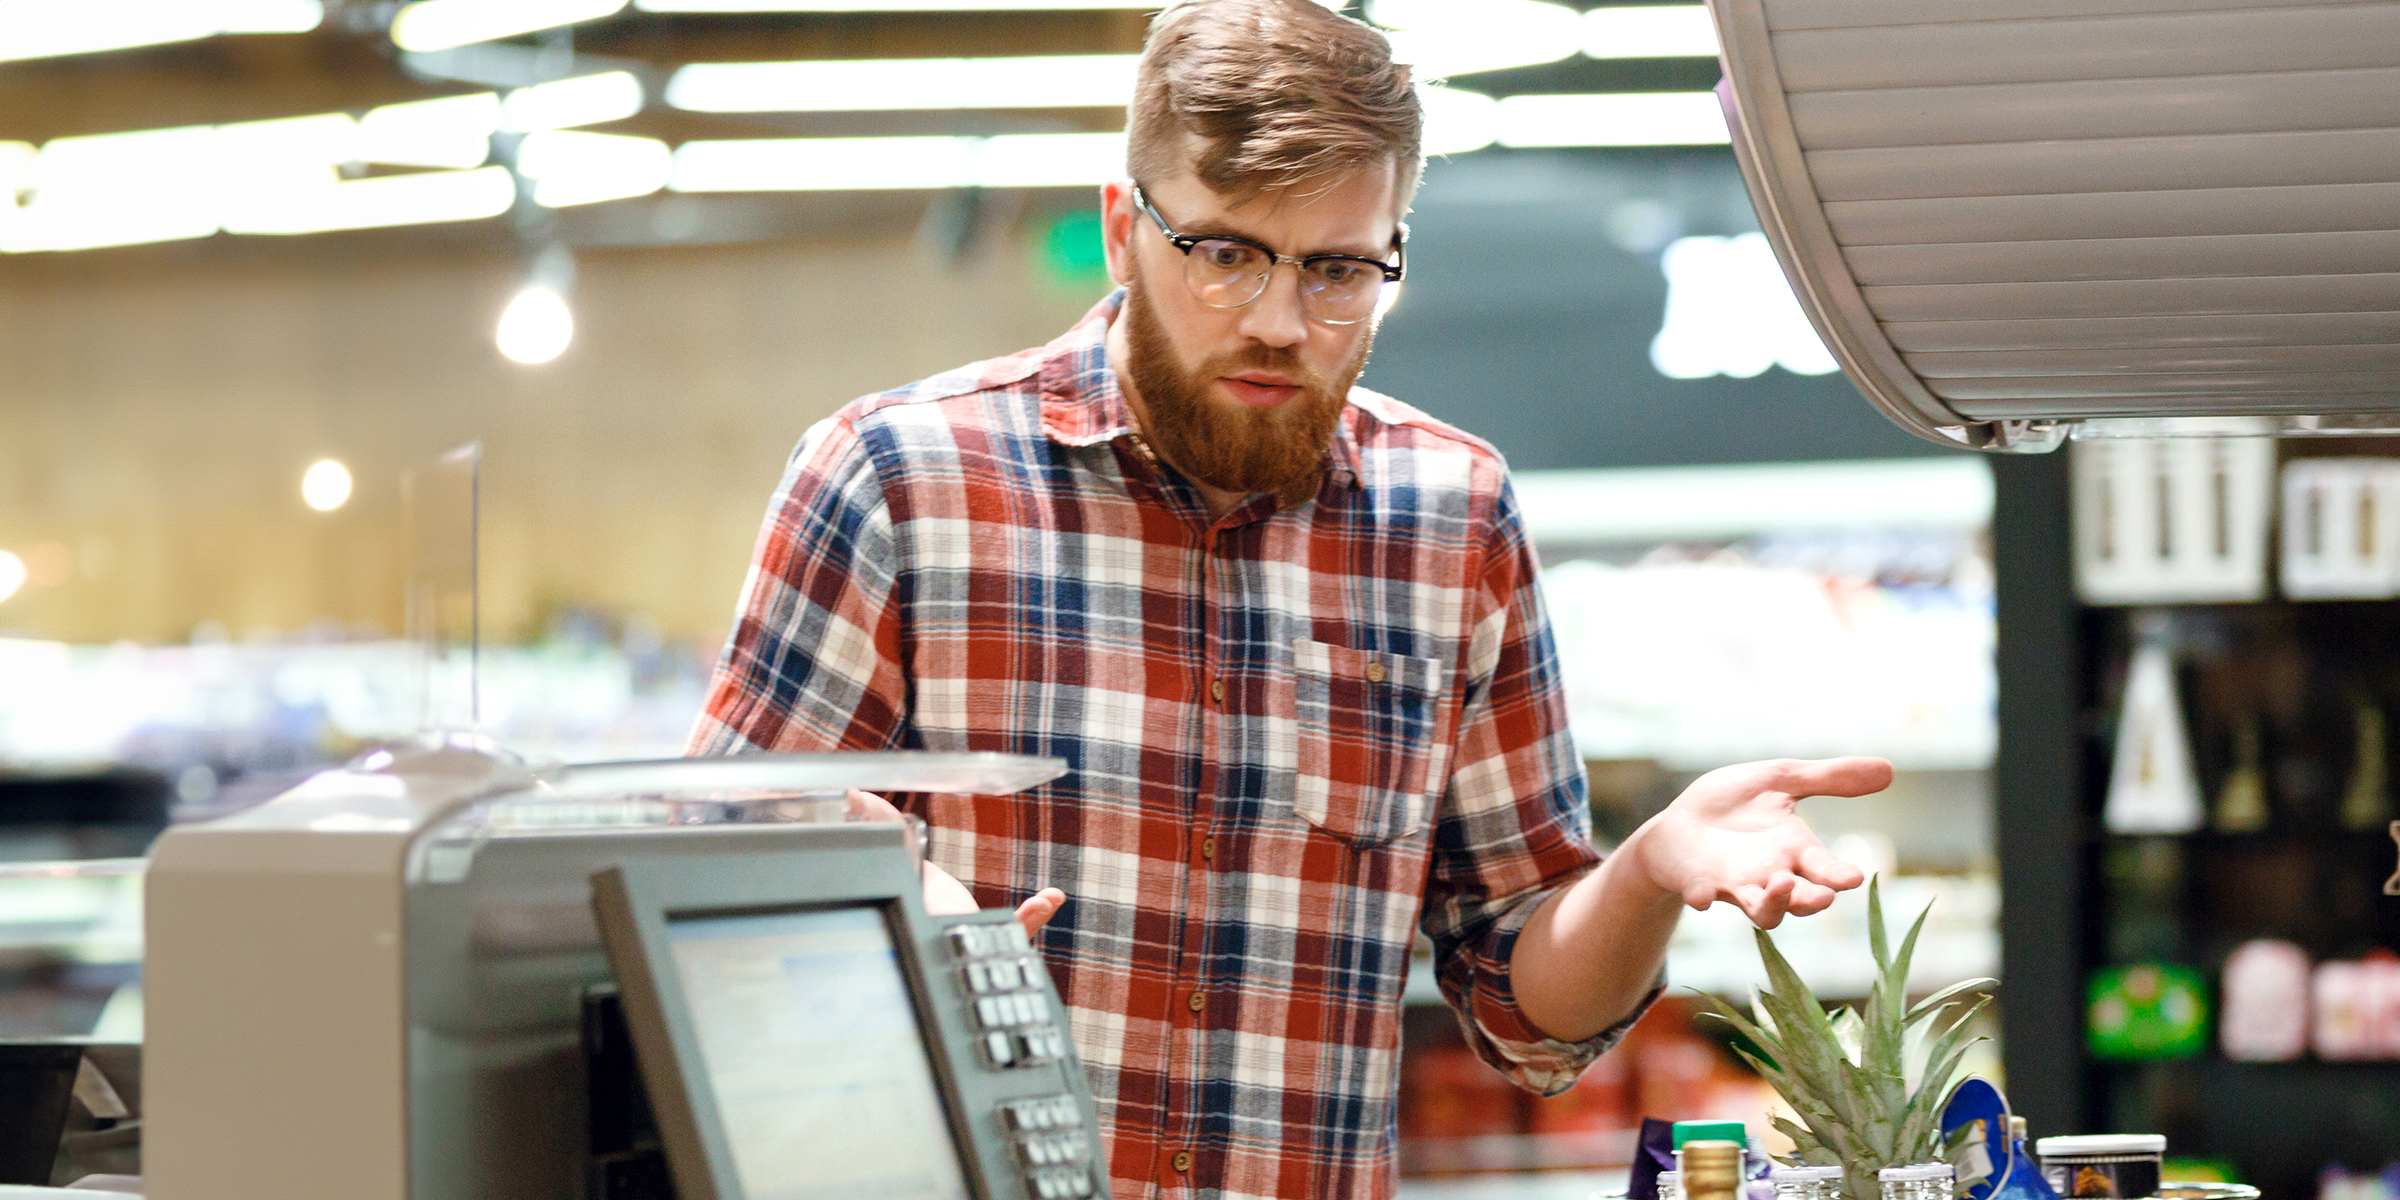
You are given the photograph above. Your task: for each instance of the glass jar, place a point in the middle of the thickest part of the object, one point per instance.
(1916, 1181)
(2119, 1166)
(1806, 1183)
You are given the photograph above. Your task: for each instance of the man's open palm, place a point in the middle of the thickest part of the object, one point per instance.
(1734, 835)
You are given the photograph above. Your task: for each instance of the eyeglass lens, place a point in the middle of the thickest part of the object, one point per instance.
(1225, 274)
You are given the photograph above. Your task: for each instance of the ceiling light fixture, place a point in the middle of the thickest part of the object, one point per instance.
(570, 167)
(841, 164)
(1649, 31)
(442, 24)
(382, 201)
(454, 131)
(566, 103)
(866, 6)
(1612, 119)
(891, 84)
(535, 327)
(50, 29)
(325, 486)
(1444, 38)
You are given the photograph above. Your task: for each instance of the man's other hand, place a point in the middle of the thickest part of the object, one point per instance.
(1734, 835)
(944, 894)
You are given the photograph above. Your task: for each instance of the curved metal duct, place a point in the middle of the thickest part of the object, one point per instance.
(2010, 216)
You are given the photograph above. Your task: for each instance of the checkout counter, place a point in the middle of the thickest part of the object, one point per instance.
(443, 973)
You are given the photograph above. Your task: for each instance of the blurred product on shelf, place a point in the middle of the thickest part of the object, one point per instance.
(2172, 520)
(2357, 1008)
(2339, 1182)
(1459, 1116)
(2151, 787)
(2265, 995)
(2341, 529)
(2106, 1166)
(2146, 1011)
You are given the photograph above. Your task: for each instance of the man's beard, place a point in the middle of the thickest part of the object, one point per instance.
(1227, 445)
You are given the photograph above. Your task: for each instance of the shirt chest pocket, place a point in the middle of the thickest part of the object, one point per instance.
(1369, 739)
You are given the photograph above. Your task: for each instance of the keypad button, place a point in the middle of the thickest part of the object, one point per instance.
(1004, 974)
(988, 1013)
(962, 941)
(998, 1047)
(1013, 938)
(979, 978)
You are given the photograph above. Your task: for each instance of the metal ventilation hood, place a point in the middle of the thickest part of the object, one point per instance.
(2013, 219)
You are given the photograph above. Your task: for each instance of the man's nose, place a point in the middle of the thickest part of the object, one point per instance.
(1275, 318)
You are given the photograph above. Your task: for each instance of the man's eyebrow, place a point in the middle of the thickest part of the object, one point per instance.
(1216, 228)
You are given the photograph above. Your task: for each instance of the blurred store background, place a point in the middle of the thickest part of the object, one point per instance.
(261, 258)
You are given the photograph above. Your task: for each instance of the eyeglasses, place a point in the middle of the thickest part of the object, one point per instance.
(1224, 271)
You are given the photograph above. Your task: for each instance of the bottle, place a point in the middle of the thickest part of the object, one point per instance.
(1916, 1181)
(1807, 1183)
(1670, 1185)
(1710, 1170)
(2024, 1180)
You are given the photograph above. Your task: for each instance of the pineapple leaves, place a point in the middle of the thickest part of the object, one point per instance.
(1844, 1073)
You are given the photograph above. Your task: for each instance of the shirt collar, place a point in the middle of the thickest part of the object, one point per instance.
(1082, 405)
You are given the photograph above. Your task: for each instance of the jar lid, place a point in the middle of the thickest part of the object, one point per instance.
(1914, 1172)
(1711, 1131)
(1803, 1174)
(2101, 1143)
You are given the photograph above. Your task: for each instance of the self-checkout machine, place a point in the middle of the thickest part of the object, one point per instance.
(391, 983)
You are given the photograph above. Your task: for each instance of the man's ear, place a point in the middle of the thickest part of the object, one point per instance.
(1116, 228)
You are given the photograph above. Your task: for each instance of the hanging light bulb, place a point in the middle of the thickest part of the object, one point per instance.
(326, 485)
(536, 326)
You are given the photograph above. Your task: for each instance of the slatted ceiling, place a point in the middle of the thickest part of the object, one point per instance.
(1994, 364)
(2099, 333)
(1952, 53)
(2135, 298)
(2200, 212)
(2257, 102)
(2348, 253)
(1846, 14)
(2170, 406)
(2210, 383)
(2109, 165)
(2051, 209)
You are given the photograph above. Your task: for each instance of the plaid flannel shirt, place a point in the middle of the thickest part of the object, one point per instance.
(1295, 734)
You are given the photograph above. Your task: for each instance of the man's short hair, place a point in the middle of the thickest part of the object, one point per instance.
(1281, 94)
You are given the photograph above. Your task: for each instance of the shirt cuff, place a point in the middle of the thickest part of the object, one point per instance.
(1479, 990)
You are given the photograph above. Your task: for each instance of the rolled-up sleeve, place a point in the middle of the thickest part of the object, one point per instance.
(814, 660)
(1514, 824)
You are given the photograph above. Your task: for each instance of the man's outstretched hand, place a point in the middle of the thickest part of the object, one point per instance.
(1734, 836)
(944, 894)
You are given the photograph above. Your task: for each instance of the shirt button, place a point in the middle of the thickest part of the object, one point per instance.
(1376, 673)
(1208, 847)
(1182, 1161)
(1216, 691)
(1195, 1002)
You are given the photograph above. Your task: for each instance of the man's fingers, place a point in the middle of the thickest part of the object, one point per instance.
(867, 806)
(1856, 775)
(1039, 908)
(1809, 899)
(1818, 865)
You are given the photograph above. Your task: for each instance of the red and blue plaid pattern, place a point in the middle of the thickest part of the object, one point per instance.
(1295, 735)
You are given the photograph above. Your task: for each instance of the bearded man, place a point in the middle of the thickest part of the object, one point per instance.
(1284, 631)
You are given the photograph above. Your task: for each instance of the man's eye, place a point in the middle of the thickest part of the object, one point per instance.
(1226, 255)
(1339, 273)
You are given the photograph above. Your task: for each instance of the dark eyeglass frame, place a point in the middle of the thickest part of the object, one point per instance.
(1392, 271)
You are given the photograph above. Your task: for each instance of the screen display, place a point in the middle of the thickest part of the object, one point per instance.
(815, 1058)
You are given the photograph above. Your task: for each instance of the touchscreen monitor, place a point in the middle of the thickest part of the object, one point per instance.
(814, 1056)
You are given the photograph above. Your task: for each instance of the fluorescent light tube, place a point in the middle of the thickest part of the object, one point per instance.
(454, 131)
(566, 103)
(51, 28)
(442, 24)
(1649, 31)
(1613, 119)
(570, 167)
(1457, 121)
(861, 6)
(16, 170)
(1443, 38)
(421, 199)
(869, 85)
(865, 164)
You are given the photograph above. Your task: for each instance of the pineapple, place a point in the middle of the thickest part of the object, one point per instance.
(1844, 1073)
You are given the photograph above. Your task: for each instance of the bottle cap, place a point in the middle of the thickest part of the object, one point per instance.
(1803, 1174)
(1914, 1172)
(2016, 1128)
(1711, 1131)
(2102, 1143)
